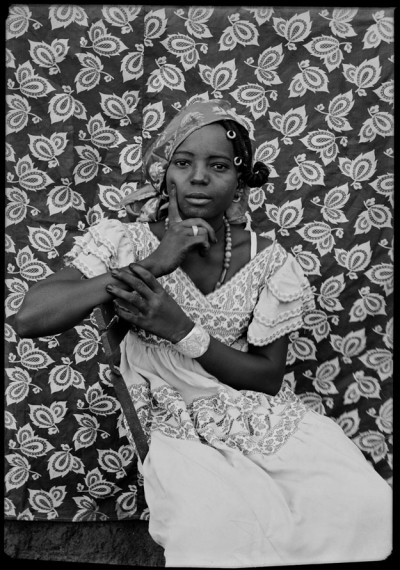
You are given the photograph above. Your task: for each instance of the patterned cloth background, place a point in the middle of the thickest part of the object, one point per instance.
(88, 89)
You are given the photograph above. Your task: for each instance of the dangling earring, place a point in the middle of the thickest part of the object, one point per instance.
(238, 195)
(239, 192)
(164, 193)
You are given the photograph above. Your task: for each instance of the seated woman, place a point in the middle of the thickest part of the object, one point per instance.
(239, 471)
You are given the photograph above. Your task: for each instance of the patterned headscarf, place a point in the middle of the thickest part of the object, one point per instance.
(147, 203)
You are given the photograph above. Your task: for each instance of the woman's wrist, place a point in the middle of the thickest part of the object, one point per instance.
(181, 332)
(152, 265)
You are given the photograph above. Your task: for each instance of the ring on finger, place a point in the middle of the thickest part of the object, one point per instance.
(195, 230)
(135, 297)
(121, 307)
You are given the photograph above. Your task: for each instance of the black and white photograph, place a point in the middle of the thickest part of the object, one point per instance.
(199, 276)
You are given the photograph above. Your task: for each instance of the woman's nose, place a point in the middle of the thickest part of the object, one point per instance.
(199, 174)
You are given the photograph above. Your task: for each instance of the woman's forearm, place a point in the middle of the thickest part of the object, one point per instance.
(59, 303)
(56, 305)
(262, 372)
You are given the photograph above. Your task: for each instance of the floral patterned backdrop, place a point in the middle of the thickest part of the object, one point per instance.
(88, 89)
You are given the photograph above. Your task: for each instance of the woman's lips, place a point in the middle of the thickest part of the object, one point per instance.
(197, 199)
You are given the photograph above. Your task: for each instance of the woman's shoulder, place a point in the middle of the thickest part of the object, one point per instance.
(244, 235)
(272, 255)
(121, 227)
(107, 226)
(251, 243)
(117, 233)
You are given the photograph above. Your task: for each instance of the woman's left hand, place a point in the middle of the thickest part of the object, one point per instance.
(148, 305)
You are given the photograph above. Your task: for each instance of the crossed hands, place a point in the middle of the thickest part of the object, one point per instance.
(146, 304)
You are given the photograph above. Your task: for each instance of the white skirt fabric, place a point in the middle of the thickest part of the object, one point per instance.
(315, 499)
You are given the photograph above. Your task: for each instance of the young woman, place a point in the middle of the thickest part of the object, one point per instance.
(239, 472)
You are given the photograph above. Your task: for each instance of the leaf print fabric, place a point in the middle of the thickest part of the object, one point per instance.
(88, 89)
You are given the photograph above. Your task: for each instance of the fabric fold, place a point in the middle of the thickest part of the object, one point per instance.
(283, 302)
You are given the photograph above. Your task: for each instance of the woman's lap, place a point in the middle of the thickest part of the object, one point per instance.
(218, 508)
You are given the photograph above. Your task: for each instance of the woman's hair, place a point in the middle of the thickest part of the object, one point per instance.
(252, 176)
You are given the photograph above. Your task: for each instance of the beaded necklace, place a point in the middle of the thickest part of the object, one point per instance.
(227, 251)
(227, 254)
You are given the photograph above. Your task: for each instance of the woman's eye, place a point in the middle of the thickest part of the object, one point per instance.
(181, 163)
(220, 167)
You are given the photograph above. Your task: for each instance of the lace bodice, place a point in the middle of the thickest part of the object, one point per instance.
(264, 300)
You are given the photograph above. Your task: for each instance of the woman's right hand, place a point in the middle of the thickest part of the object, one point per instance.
(179, 239)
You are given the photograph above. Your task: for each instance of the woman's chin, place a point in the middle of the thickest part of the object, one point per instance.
(198, 211)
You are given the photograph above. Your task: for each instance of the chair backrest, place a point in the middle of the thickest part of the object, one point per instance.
(112, 331)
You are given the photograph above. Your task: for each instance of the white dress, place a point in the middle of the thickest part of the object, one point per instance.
(239, 478)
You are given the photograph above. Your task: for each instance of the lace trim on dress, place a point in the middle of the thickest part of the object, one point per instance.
(276, 290)
(141, 238)
(307, 304)
(249, 422)
(102, 248)
(276, 260)
(291, 326)
(99, 251)
(172, 405)
(80, 242)
(78, 264)
(102, 240)
(285, 316)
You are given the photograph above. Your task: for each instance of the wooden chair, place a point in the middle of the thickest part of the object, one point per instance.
(112, 331)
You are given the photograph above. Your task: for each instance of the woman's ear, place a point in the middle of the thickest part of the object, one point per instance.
(163, 189)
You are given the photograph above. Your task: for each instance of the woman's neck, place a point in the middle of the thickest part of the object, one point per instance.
(218, 226)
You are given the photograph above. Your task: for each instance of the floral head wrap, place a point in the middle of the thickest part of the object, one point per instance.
(146, 203)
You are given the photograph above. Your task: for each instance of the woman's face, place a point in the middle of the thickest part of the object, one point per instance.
(204, 174)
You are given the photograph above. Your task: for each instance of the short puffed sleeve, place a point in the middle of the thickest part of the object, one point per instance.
(105, 245)
(284, 299)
